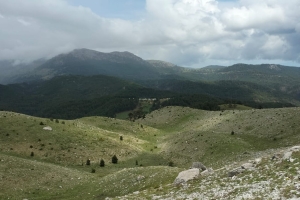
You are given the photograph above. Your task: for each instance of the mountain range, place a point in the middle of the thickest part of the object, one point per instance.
(67, 138)
(86, 75)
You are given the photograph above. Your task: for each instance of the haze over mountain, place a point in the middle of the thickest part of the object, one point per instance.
(260, 83)
(131, 67)
(87, 62)
(87, 82)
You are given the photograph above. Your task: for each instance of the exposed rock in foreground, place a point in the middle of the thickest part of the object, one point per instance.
(261, 178)
(186, 175)
(198, 165)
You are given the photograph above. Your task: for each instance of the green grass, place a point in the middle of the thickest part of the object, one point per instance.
(206, 136)
(123, 115)
(145, 106)
(180, 135)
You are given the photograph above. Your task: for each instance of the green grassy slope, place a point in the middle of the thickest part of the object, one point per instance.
(207, 136)
(58, 168)
(60, 157)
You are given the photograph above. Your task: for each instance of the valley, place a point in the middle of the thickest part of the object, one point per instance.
(93, 125)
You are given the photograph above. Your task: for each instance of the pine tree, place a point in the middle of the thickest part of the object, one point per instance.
(102, 163)
(114, 159)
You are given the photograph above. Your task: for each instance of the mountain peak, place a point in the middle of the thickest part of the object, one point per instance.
(159, 63)
(116, 56)
(85, 54)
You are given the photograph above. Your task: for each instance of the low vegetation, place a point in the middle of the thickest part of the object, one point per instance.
(86, 157)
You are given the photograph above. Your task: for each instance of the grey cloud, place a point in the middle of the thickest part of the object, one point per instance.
(185, 32)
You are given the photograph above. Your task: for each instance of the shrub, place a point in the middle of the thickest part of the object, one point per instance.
(136, 162)
(102, 163)
(31, 154)
(121, 137)
(171, 164)
(88, 162)
(93, 170)
(114, 159)
(57, 121)
(232, 132)
(41, 123)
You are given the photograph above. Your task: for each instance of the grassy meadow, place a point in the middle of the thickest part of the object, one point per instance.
(42, 164)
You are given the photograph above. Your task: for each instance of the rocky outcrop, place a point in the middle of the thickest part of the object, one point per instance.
(287, 155)
(266, 178)
(186, 175)
(207, 172)
(198, 165)
(47, 128)
(278, 156)
(249, 166)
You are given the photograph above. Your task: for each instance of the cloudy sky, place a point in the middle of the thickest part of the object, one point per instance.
(191, 33)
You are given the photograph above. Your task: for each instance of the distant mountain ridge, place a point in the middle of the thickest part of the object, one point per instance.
(161, 75)
(89, 62)
(125, 65)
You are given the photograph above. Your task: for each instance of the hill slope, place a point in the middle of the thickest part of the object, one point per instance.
(174, 134)
(88, 93)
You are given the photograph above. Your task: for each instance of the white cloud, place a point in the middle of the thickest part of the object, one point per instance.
(275, 44)
(186, 32)
(24, 22)
(249, 30)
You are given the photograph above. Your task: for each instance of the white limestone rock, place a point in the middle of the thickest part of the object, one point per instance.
(187, 175)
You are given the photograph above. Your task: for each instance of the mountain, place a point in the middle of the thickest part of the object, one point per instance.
(264, 73)
(87, 62)
(213, 67)
(281, 81)
(280, 78)
(73, 96)
(125, 65)
(262, 84)
(11, 70)
(227, 89)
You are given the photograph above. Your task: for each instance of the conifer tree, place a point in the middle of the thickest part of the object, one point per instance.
(114, 159)
(102, 163)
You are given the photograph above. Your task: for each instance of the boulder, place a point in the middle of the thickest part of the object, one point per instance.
(207, 172)
(287, 155)
(295, 148)
(140, 177)
(248, 166)
(198, 165)
(276, 156)
(47, 128)
(187, 175)
(235, 172)
(257, 161)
